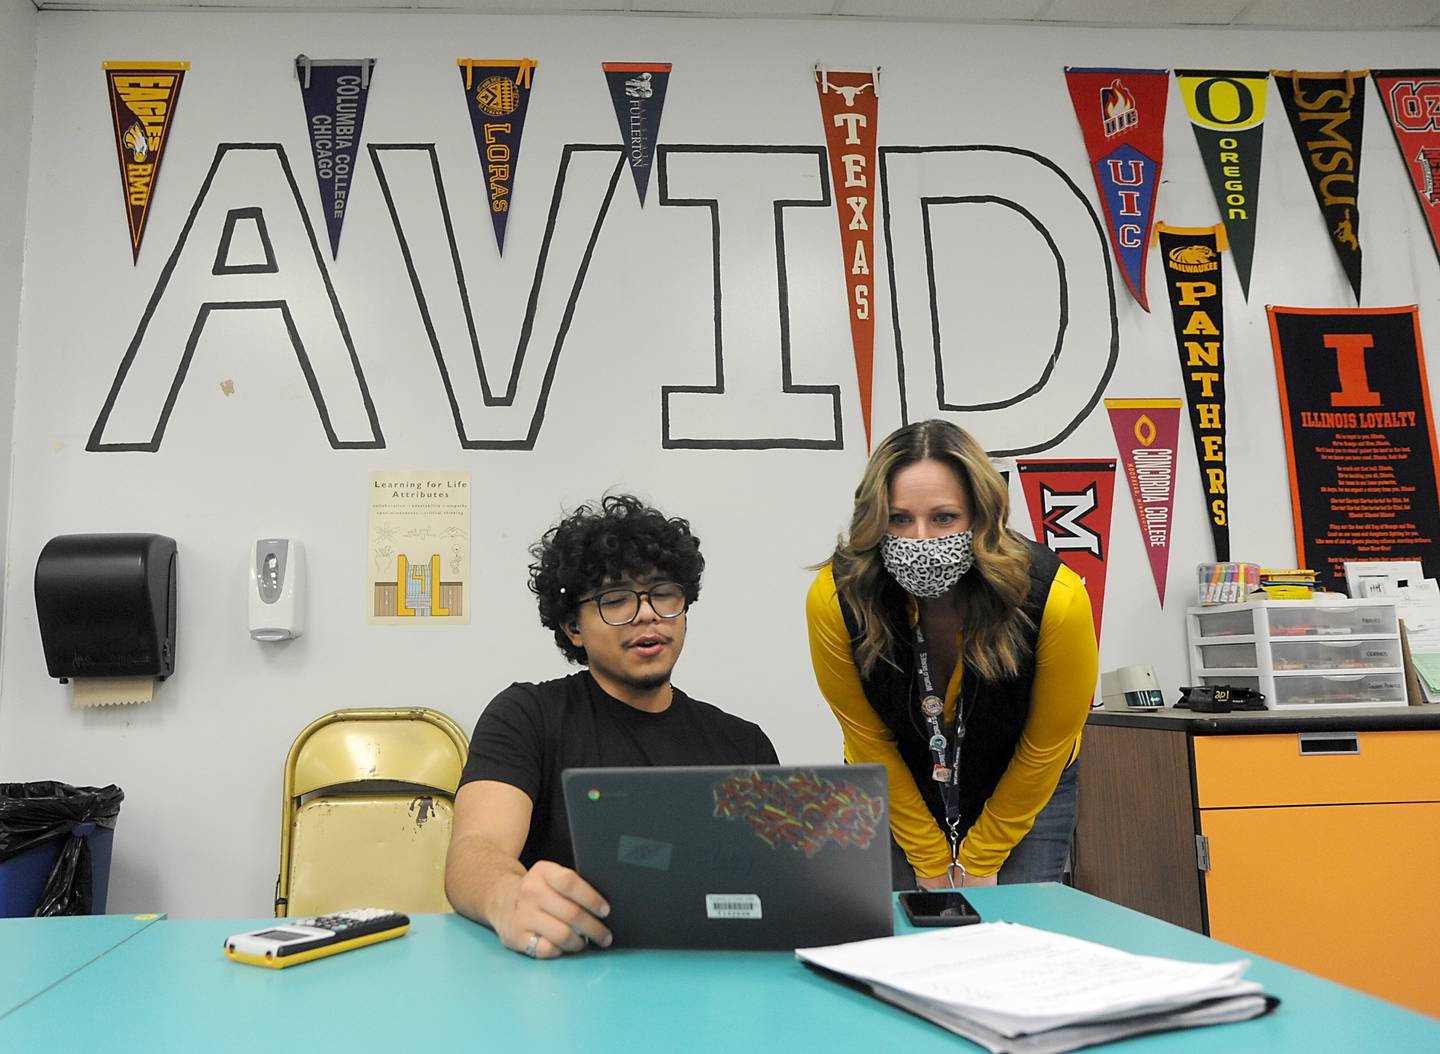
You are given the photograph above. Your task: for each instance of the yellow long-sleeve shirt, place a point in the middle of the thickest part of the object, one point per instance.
(1065, 667)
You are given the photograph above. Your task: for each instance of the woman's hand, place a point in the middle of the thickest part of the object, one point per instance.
(955, 878)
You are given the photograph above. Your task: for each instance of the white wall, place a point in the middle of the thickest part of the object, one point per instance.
(201, 764)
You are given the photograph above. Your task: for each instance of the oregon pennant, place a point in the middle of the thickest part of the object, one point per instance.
(1227, 111)
(497, 94)
(638, 91)
(1327, 115)
(1122, 117)
(1192, 278)
(143, 96)
(1412, 102)
(849, 108)
(1146, 433)
(1070, 504)
(335, 92)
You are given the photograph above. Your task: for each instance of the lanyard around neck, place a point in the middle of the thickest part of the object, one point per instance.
(944, 746)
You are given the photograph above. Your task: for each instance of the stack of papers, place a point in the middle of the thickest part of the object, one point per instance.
(1009, 987)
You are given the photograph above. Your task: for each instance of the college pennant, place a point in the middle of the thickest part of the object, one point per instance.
(638, 91)
(1192, 278)
(1146, 433)
(1327, 115)
(1227, 112)
(143, 97)
(1122, 117)
(335, 92)
(849, 109)
(1070, 502)
(1412, 102)
(497, 95)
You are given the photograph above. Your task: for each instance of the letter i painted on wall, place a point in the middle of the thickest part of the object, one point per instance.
(143, 97)
(638, 91)
(497, 94)
(1122, 119)
(335, 92)
(849, 108)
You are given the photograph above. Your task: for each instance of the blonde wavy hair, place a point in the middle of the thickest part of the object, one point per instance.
(989, 598)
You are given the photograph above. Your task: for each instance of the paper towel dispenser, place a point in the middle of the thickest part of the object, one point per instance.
(106, 605)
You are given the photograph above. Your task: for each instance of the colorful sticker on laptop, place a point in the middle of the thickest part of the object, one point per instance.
(803, 810)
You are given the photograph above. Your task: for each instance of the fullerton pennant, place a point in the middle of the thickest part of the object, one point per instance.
(143, 97)
(849, 109)
(1146, 433)
(1122, 117)
(1070, 503)
(1327, 115)
(1412, 102)
(497, 95)
(335, 92)
(638, 91)
(1192, 278)
(1227, 112)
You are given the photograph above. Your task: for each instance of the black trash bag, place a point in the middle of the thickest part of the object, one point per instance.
(34, 813)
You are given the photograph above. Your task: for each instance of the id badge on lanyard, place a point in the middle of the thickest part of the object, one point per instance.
(944, 747)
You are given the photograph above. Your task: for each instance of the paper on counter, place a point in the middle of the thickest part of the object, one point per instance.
(113, 691)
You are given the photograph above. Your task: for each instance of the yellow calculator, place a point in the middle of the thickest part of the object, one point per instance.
(292, 943)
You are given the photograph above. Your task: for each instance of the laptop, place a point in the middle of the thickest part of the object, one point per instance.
(755, 857)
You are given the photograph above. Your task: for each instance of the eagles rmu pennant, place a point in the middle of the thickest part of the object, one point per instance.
(1122, 117)
(334, 92)
(1192, 278)
(849, 107)
(1146, 433)
(1327, 115)
(638, 91)
(1070, 504)
(1227, 111)
(497, 94)
(1412, 102)
(143, 96)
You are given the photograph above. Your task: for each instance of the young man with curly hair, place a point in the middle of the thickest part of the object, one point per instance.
(614, 582)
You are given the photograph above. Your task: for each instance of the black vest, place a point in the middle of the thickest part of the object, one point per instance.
(996, 709)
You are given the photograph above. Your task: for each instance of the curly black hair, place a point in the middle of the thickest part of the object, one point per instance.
(619, 536)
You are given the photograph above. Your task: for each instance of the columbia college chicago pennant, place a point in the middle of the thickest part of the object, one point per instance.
(143, 96)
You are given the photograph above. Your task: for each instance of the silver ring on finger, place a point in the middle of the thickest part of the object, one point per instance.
(531, 945)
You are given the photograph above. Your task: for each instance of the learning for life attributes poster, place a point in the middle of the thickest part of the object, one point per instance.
(419, 548)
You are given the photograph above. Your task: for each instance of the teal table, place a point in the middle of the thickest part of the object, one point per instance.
(37, 954)
(448, 985)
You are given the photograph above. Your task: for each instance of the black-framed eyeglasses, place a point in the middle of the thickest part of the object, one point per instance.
(619, 607)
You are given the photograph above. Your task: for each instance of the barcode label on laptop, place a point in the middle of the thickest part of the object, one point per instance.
(732, 906)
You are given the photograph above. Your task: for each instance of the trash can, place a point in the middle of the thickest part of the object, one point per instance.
(55, 843)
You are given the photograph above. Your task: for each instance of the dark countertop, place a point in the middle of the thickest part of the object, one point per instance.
(1250, 722)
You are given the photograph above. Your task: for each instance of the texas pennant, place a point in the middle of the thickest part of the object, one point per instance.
(1192, 278)
(1146, 433)
(638, 91)
(334, 92)
(1070, 504)
(1412, 102)
(143, 96)
(1227, 111)
(849, 108)
(497, 94)
(1122, 117)
(1327, 115)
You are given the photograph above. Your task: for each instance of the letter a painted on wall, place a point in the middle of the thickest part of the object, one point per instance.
(497, 94)
(1122, 117)
(143, 97)
(1147, 432)
(849, 108)
(1070, 502)
(1412, 102)
(638, 91)
(335, 92)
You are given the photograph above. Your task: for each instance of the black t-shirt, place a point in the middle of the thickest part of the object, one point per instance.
(530, 733)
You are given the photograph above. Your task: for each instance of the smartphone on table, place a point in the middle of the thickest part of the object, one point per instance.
(938, 907)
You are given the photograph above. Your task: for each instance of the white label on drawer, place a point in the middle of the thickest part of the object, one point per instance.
(732, 906)
(1377, 653)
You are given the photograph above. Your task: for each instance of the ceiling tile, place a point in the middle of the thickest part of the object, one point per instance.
(1154, 13)
(949, 10)
(1340, 14)
(753, 8)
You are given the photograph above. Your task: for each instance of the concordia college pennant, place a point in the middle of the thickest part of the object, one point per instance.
(849, 108)
(497, 94)
(334, 92)
(638, 91)
(1412, 102)
(1122, 117)
(1327, 115)
(1146, 431)
(143, 96)
(1070, 502)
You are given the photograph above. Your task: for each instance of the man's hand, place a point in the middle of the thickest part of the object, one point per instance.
(555, 904)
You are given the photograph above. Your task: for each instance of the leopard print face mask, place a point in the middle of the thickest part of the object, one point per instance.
(928, 567)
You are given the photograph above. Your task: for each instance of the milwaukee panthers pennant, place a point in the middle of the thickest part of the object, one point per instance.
(638, 91)
(1412, 102)
(334, 92)
(849, 108)
(497, 94)
(143, 97)
(1070, 502)
(1227, 112)
(1146, 433)
(1327, 115)
(1122, 118)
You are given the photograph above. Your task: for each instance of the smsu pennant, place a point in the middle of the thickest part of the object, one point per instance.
(334, 92)
(849, 107)
(143, 96)
(1070, 503)
(638, 91)
(1192, 278)
(1327, 115)
(497, 94)
(1146, 431)
(1122, 117)
(1412, 102)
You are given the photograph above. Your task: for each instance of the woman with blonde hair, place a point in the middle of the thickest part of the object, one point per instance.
(962, 657)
